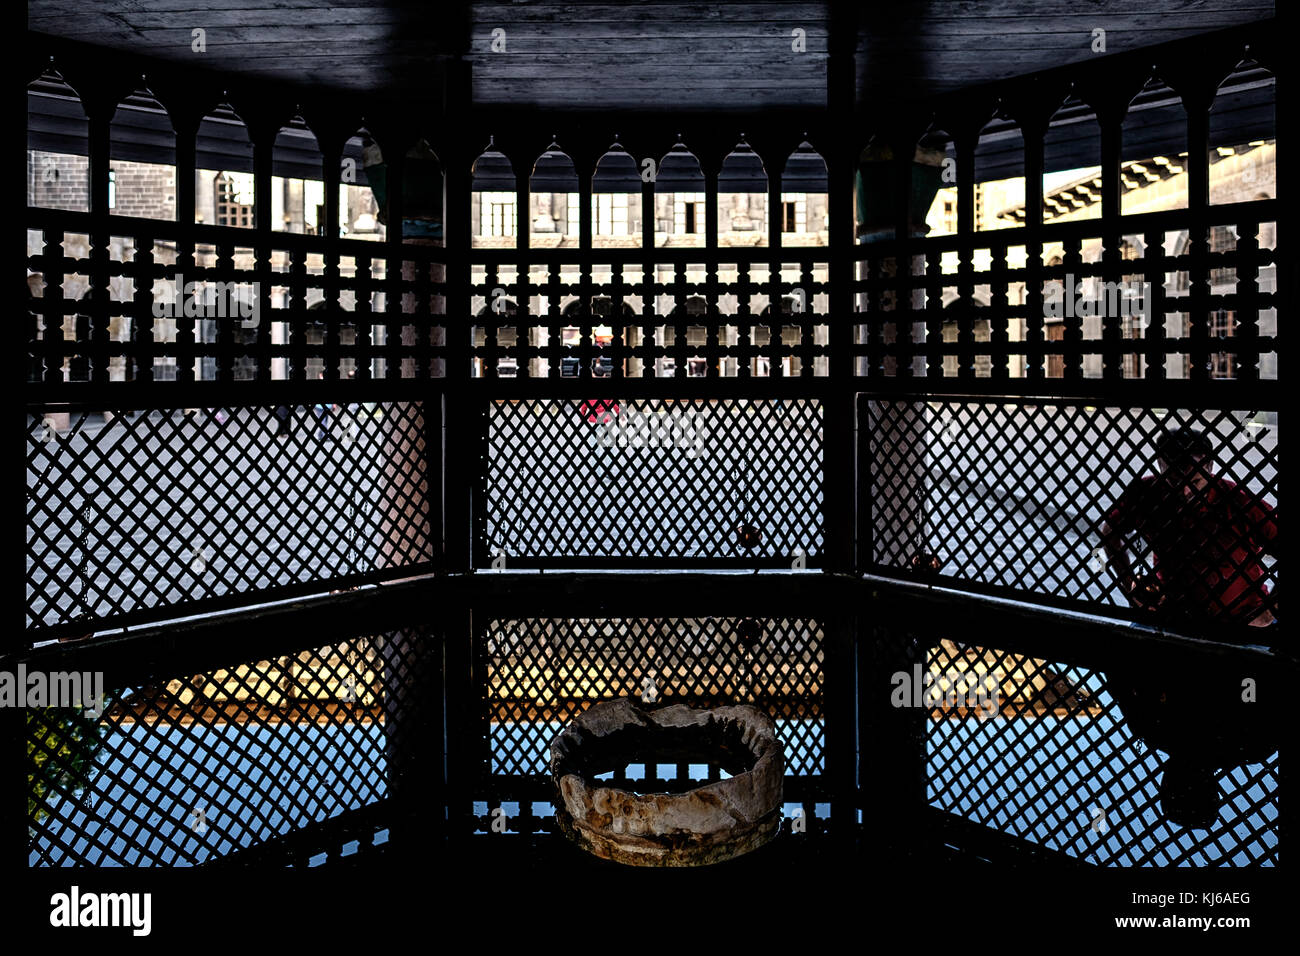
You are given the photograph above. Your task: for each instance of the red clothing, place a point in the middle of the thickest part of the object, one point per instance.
(1206, 546)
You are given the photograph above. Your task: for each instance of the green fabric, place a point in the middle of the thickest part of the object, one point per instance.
(875, 194)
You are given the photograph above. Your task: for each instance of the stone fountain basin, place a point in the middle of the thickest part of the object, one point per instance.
(709, 823)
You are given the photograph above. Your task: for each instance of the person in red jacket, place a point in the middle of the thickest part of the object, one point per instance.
(1206, 537)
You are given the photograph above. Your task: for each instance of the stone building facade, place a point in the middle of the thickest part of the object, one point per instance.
(1237, 174)
(148, 191)
(679, 223)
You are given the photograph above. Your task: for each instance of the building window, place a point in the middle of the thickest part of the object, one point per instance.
(1133, 329)
(234, 206)
(1055, 361)
(794, 212)
(688, 213)
(497, 214)
(611, 214)
(112, 189)
(1223, 239)
(1222, 364)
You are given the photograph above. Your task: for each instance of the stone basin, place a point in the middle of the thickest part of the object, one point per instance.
(712, 822)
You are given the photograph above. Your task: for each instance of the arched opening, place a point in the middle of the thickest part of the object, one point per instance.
(494, 200)
(553, 210)
(616, 201)
(422, 192)
(934, 174)
(679, 199)
(999, 176)
(1243, 136)
(141, 183)
(1243, 168)
(58, 153)
(1071, 165)
(58, 177)
(742, 199)
(223, 160)
(1153, 169)
(804, 212)
(142, 159)
(361, 214)
(297, 190)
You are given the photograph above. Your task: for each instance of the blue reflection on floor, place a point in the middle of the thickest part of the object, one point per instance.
(171, 809)
(1087, 787)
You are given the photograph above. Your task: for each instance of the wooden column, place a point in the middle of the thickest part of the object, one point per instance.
(1033, 127)
(840, 419)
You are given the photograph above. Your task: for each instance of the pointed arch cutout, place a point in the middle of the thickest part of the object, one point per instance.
(1243, 136)
(742, 198)
(142, 158)
(1153, 150)
(223, 162)
(679, 199)
(58, 145)
(804, 208)
(553, 210)
(494, 200)
(297, 191)
(616, 200)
